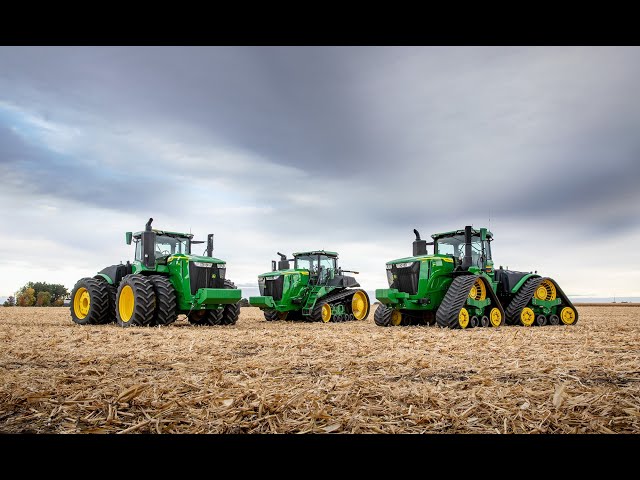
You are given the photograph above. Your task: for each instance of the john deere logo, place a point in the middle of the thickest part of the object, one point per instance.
(213, 275)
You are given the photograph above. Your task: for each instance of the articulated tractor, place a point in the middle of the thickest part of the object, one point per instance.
(165, 279)
(314, 290)
(458, 287)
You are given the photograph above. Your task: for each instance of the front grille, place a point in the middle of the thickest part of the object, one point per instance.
(404, 278)
(273, 287)
(205, 277)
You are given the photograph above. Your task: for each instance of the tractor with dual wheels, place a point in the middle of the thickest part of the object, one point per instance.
(165, 280)
(458, 287)
(314, 290)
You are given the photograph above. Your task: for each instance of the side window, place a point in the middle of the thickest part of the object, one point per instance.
(138, 255)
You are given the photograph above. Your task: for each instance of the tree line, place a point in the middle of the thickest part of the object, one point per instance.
(38, 294)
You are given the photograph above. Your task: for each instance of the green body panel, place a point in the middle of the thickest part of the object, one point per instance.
(106, 277)
(522, 280)
(262, 302)
(216, 296)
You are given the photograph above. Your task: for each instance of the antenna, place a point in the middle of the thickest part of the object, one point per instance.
(489, 218)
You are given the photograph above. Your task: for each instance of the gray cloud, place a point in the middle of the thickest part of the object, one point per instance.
(324, 146)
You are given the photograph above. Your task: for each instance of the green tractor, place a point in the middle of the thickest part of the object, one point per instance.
(314, 290)
(458, 287)
(164, 280)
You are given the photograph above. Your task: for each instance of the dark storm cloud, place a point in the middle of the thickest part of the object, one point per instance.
(418, 135)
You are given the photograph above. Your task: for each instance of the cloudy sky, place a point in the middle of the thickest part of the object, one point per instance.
(342, 148)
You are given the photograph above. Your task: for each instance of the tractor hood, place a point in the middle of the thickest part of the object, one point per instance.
(445, 258)
(194, 258)
(283, 272)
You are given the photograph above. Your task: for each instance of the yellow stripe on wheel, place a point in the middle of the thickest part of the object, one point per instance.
(126, 303)
(326, 312)
(568, 315)
(81, 303)
(527, 317)
(463, 318)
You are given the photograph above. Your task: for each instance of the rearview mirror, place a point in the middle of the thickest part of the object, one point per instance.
(128, 236)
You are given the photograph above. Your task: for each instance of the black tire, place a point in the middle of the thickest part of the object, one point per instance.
(112, 292)
(90, 302)
(205, 317)
(382, 316)
(231, 311)
(143, 303)
(271, 315)
(166, 310)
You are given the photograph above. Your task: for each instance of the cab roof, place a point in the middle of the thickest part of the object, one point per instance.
(474, 231)
(165, 232)
(317, 252)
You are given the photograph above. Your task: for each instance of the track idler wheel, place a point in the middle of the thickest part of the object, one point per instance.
(554, 320)
(474, 322)
(568, 316)
(484, 321)
(541, 320)
(527, 317)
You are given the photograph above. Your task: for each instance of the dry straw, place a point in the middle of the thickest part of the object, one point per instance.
(284, 377)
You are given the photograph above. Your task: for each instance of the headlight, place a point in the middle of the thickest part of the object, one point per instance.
(221, 265)
(404, 265)
(273, 278)
(202, 264)
(389, 266)
(390, 278)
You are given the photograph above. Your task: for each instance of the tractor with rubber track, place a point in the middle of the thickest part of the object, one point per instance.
(165, 280)
(314, 290)
(458, 287)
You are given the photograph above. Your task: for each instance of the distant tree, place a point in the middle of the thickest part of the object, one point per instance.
(42, 294)
(244, 303)
(43, 299)
(10, 301)
(26, 297)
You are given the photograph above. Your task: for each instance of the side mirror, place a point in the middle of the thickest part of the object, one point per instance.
(128, 236)
(273, 265)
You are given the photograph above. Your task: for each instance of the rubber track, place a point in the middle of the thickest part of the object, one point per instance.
(316, 313)
(454, 299)
(521, 300)
(565, 300)
(231, 311)
(166, 302)
(382, 316)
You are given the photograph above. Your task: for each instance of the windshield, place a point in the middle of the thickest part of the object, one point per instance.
(166, 245)
(310, 262)
(454, 245)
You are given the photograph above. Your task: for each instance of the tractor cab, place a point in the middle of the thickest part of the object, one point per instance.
(478, 250)
(166, 244)
(322, 265)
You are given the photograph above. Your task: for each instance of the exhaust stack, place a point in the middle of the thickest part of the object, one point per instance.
(283, 263)
(419, 246)
(466, 261)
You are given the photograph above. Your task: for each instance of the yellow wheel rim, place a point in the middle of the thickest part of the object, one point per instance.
(568, 315)
(478, 290)
(326, 312)
(495, 317)
(359, 305)
(463, 318)
(546, 291)
(126, 303)
(527, 316)
(81, 303)
(396, 318)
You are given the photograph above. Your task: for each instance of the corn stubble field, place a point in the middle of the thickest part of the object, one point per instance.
(352, 377)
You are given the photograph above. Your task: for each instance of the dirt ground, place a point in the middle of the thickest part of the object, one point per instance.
(286, 377)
